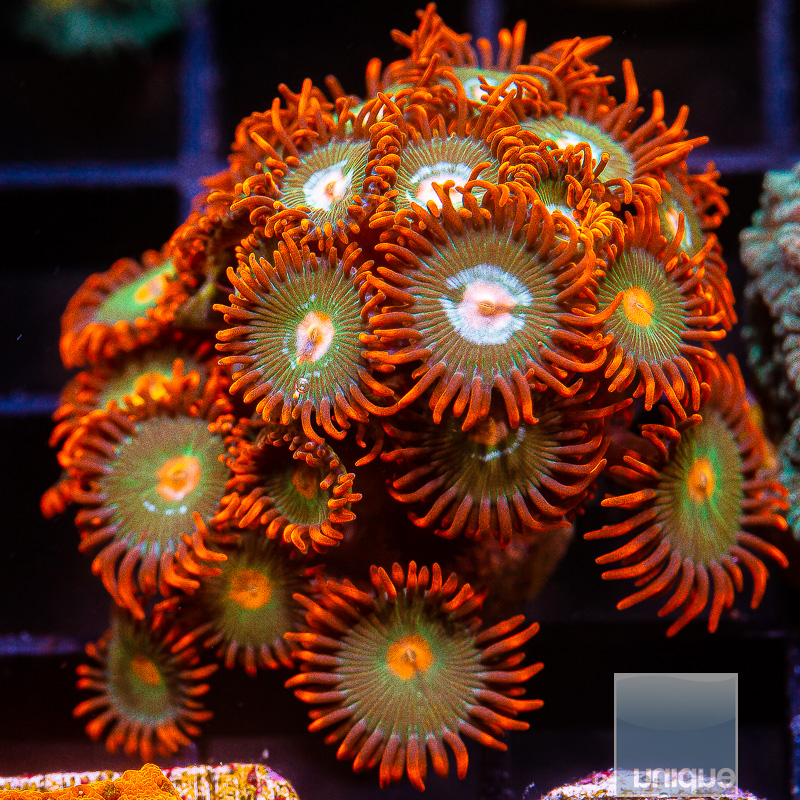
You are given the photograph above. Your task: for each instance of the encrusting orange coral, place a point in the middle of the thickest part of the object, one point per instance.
(199, 782)
(147, 783)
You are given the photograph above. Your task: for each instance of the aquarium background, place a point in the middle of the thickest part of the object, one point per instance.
(99, 155)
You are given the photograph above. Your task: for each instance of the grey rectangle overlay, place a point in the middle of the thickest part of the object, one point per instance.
(675, 733)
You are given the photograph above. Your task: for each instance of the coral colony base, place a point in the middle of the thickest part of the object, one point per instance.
(489, 276)
(221, 782)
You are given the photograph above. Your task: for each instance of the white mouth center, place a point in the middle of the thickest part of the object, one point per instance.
(327, 186)
(422, 181)
(569, 137)
(314, 337)
(492, 306)
(473, 90)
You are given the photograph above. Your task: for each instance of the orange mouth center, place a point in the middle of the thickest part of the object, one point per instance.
(489, 432)
(408, 656)
(701, 481)
(145, 670)
(150, 291)
(638, 306)
(492, 308)
(178, 477)
(304, 480)
(250, 589)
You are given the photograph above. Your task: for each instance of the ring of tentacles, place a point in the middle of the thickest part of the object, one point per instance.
(484, 299)
(677, 201)
(146, 688)
(692, 501)
(145, 370)
(563, 180)
(113, 311)
(659, 313)
(322, 180)
(149, 469)
(325, 181)
(569, 131)
(633, 156)
(528, 92)
(292, 488)
(455, 159)
(245, 610)
(402, 670)
(295, 344)
(561, 69)
(435, 142)
(494, 480)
